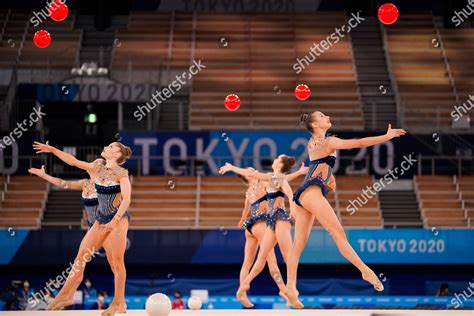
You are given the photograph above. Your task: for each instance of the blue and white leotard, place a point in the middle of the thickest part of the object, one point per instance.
(316, 179)
(257, 211)
(107, 190)
(90, 201)
(278, 212)
(256, 215)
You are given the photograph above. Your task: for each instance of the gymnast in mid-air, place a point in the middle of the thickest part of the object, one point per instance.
(278, 219)
(311, 201)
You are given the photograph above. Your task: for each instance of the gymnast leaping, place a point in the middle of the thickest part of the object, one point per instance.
(311, 201)
(278, 221)
(255, 228)
(114, 194)
(254, 217)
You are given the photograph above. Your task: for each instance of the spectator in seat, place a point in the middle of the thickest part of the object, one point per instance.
(88, 291)
(24, 293)
(100, 303)
(178, 302)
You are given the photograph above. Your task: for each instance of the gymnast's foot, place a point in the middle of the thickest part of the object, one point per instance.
(292, 295)
(60, 303)
(372, 278)
(282, 294)
(115, 308)
(242, 296)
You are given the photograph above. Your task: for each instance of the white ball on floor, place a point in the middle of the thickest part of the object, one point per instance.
(194, 303)
(158, 304)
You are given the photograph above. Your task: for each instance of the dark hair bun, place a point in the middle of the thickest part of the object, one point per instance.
(291, 161)
(288, 163)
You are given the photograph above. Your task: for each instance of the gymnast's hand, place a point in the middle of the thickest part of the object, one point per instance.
(38, 172)
(293, 210)
(303, 169)
(41, 148)
(225, 168)
(392, 133)
(241, 223)
(111, 225)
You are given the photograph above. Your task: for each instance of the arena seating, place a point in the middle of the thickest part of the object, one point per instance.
(264, 80)
(61, 54)
(349, 188)
(12, 27)
(63, 51)
(23, 201)
(459, 48)
(420, 71)
(145, 41)
(222, 201)
(245, 44)
(466, 188)
(154, 39)
(155, 203)
(439, 201)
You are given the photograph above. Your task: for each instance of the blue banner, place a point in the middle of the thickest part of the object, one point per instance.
(375, 246)
(16, 150)
(395, 246)
(160, 152)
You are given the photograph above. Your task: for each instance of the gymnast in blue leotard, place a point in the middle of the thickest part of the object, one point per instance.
(253, 221)
(257, 198)
(114, 196)
(311, 201)
(278, 219)
(278, 211)
(90, 202)
(108, 192)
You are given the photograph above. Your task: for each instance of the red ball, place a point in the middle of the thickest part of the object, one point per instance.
(42, 39)
(58, 11)
(302, 92)
(388, 13)
(232, 102)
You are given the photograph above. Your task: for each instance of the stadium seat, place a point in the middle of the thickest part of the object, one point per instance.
(23, 201)
(420, 72)
(440, 202)
(459, 47)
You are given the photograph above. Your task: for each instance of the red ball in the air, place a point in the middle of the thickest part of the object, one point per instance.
(232, 102)
(388, 13)
(42, 39)
(302, 92)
